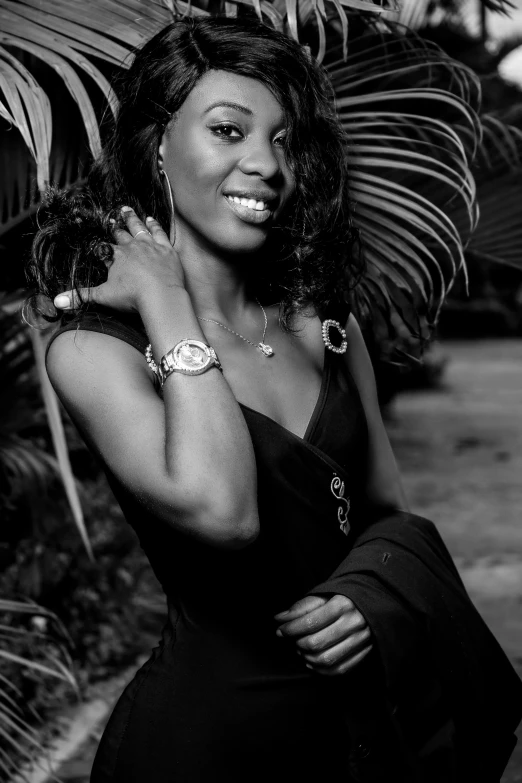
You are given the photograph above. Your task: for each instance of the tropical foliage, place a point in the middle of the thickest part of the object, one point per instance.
(410, 114)
(32, 643)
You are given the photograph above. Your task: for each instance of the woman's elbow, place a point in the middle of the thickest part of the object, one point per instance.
(243, 535)
(225, 525)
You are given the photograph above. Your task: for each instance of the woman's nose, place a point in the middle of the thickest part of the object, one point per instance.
(261, 159)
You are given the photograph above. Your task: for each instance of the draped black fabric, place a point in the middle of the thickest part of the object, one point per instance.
(223, 699)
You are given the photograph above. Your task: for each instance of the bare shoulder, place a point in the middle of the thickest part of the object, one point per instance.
(82, 360)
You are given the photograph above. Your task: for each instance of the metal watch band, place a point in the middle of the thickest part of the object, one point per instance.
(188, 357)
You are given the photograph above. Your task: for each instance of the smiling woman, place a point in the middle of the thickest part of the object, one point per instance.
(263, 491)
(225, 154)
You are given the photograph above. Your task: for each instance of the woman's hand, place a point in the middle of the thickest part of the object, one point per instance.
(331, 635)
(143, 261)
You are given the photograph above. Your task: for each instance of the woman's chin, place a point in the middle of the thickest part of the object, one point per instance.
(241, 243)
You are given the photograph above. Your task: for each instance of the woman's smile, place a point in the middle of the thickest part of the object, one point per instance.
(249, 210)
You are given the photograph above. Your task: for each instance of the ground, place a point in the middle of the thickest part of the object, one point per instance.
(460, 452)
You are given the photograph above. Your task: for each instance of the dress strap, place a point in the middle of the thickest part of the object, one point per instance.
(338, 311)
(126, 328)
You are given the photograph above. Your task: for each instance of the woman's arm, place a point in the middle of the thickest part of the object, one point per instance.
(188, 459)
(383, 485)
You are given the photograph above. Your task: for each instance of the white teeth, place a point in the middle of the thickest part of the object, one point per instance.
(251, 203)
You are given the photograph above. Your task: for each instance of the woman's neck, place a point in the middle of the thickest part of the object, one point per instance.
(217, 285)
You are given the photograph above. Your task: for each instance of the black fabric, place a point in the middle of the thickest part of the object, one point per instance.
(223, 699)
(461, 694)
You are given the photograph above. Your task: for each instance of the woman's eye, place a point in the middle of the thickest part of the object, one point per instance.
(227, 131)
(280, 140)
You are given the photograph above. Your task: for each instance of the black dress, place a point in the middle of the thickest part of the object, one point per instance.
(223, 699)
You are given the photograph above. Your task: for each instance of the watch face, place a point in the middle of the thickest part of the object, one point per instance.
(191, 357)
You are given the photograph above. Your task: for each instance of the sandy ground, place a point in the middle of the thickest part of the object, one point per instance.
(460, 452)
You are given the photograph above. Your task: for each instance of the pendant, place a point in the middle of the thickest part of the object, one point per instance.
(266, 349)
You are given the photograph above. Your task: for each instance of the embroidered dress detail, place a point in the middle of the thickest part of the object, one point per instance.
(337, 488)
(328, 324)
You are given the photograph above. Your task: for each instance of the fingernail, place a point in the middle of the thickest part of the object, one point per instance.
(279, 632)
(282, 614)
(308, 666)
(111, 220)
(147, 219)
(62, 301)
(126, 209)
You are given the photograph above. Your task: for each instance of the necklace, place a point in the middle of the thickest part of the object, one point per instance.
(263, 347)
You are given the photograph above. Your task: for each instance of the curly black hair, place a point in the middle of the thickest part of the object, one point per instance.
(311, 258)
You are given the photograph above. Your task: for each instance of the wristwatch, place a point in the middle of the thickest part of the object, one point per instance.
(189, 357)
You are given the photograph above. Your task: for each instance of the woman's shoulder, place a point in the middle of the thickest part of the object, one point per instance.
(90, 347)
(83, 326)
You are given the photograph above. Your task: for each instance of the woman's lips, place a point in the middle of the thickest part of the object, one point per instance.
(248, 214)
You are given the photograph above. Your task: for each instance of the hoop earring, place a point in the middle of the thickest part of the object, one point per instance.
(171, 199)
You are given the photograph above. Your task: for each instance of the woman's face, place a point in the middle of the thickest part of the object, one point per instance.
(224, 156)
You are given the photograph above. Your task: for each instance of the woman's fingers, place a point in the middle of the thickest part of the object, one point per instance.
(343, 666)
(71, 300)
(346, 627)
(317, 619)
(301, 607)
(121, 236)
(139, 230)
(157, 232)
(324, 654)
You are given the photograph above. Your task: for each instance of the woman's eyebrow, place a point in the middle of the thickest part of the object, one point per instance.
(230, 105)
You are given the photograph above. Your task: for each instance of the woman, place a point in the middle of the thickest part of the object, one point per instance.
(255, 485)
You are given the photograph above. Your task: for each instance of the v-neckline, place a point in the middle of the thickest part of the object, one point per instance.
(316, 412)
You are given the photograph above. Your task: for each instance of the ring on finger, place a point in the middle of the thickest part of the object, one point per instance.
(142, 231)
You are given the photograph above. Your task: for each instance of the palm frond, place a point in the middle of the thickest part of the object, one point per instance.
(416, 14)
(30, 109)
(498, 174)
(411, 118)
(27, 469)
(18, 736)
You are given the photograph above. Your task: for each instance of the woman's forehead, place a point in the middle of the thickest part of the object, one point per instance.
(235, 92)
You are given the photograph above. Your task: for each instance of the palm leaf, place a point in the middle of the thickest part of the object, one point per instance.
(411, 119)
(25, 468)
(498, 174)
(20, 738)
(31, 110)
(418, 13)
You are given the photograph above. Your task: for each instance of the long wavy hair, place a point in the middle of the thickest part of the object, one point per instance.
(311, 258)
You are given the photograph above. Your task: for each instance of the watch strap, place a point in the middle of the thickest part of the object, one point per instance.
(188, 357)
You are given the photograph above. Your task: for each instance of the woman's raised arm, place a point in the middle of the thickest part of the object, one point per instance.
(188, 458)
